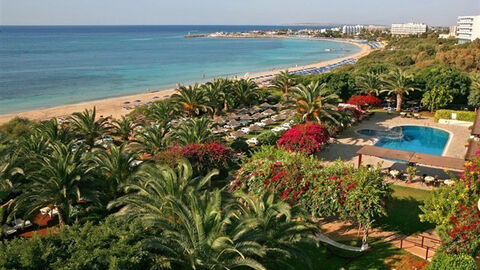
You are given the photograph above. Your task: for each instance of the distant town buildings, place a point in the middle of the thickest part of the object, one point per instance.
(408, 28)
(352, 29)
(468, 28)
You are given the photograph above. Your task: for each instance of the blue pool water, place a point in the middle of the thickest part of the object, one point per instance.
(411, 138)
(45, 66)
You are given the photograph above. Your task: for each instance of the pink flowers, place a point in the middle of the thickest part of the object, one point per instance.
(365, 101)
(307, 138)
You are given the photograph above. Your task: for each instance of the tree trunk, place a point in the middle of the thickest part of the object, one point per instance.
(365, 236)
(61, 222)
(399, 102)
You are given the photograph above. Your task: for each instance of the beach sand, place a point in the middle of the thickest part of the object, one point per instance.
(114, 106)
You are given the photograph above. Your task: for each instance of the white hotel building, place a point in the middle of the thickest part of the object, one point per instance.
(352, 29)
(408, 28)
(468, 28)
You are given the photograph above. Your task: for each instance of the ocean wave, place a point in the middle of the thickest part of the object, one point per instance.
(139, 39)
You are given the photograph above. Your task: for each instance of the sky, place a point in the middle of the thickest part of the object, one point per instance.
(230, 12)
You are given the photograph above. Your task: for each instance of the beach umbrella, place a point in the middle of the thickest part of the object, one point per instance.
(239, 133)
(137, 100)
(269, 122)
(126, 102)
(234, 123)
(255, 128)
(245, 117)
(258, 116)
(269, 111)
(265, 105)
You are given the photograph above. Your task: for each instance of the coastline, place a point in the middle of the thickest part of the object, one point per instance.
(114, 106)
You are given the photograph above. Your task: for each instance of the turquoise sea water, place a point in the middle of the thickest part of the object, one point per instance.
(412, 138)
(50, 66)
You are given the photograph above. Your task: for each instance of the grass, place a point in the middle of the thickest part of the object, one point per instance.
(383, 255)
(403, 211)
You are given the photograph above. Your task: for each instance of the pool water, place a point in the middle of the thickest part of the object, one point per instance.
(411, 138)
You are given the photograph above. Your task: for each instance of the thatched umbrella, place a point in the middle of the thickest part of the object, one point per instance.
(265, 105)
(239, 133)
(269, 122)
(234, 123)
(246, 117)
(269, 111)
(255, 128)
(258, 116)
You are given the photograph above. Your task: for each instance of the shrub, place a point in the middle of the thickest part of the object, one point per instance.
(306, 138)
(203, 157)
(240, 145)
(267, 137)
(17, 127)
(443, 261)
(464, 237)
(461, 115)
(353, 112)
(365, 101)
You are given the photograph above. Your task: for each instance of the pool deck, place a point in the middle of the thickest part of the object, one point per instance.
(349, 141)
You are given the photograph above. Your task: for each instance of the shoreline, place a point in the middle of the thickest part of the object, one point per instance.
(114, 106)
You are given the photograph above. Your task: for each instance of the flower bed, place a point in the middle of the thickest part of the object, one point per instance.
(306, 138)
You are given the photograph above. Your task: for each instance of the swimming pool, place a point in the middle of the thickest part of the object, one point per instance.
(411, 138)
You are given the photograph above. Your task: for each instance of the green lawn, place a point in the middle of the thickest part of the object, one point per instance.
(403, 211)
(382, 256)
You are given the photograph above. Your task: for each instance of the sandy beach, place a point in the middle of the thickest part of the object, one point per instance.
(114, 106)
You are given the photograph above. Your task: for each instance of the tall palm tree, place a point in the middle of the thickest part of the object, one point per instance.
(369, 83)
(195, 130)
(191, 100)
(9, 171)
(63, 179)
(87, 127)
(315, 103)
(123, 129)
(116, 165)
(284, 81)
(275, 224)
(244, 91)
(399, 83)
(217, 92)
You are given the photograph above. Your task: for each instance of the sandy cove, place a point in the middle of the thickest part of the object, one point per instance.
(114, 106)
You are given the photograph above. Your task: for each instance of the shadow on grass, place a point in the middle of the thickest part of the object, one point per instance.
(402, 216)
(382, 255)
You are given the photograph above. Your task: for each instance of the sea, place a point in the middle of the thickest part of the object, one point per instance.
(47, 66)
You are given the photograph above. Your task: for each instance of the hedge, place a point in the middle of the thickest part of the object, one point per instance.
(461, 115)
(443, 261)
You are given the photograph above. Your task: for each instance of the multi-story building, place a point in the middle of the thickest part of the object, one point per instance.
(468, 28)
(408, 28)
(352, 29)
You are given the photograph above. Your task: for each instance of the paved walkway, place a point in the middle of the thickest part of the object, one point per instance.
(349, 141)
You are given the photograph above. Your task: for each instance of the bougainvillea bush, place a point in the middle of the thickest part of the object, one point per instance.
(307, 138)
(356, 114)
(203, 157)
(365, 101)
(454, 211)
(340, 190)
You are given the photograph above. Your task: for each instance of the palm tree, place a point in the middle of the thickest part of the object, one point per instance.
(62, 180)
(217, 92)
(153, 185)
(399, 83)
(9, 171)
(191, 100)
(123, 129)
(87, 127)
(161, 112)
(369, 83)
(284, 81)
(244, 91)
(315, 103)
(275, 224)
(151, 140)
(196, 130)
(53, 131)
(191, 220)
(116, 165)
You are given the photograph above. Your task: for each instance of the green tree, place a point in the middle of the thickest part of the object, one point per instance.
(63, 179)
(191, 100)
(122, 129)
(161, 112)
(115, 165)
(217, 92)
(86, 126)
(314, 102)
(474, 96)
(399, 83)
(244, 91)
(368, 83)
(284, 81)
(151, 140)
(196, 130)
(436, 98)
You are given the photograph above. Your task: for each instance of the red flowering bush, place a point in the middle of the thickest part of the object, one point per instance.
(471, 175)
(357, 114)
(364, 101)
(465, 234)
(203, 157)
(306, 138)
